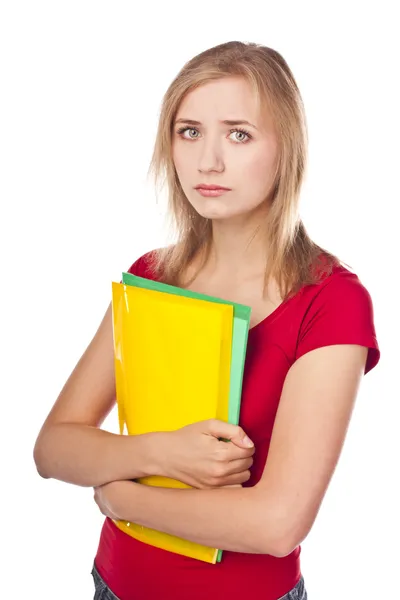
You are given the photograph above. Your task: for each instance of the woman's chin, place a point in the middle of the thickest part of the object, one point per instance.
(222, 211)
(221, 215)
(216, 213)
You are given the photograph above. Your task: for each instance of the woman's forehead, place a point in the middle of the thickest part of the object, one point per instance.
(221, 100)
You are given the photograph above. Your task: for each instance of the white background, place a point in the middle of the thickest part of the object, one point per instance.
(81, 86)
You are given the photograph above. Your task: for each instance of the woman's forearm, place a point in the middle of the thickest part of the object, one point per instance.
(240, 520)
(88, 456)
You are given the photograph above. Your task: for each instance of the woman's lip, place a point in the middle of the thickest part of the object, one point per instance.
(211, 187)
(209, 193)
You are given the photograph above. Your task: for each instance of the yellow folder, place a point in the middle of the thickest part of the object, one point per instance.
(172, 367)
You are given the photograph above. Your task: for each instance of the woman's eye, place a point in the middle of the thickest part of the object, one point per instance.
(191, 131)
(186, 130)
(240, 135)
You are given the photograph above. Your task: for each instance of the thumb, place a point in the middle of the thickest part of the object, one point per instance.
(228, 432)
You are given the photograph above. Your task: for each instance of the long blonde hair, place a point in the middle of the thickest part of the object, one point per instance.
(294, 260)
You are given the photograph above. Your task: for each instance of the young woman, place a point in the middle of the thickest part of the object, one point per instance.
(232, 144)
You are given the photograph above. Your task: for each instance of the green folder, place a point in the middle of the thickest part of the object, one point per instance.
(240, 330)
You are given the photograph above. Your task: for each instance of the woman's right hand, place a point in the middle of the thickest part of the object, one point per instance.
(195, 455)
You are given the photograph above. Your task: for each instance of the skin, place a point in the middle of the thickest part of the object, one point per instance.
(318, 395)
(321, 387)
(212, 153)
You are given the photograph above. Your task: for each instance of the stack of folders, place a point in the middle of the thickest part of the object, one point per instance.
(179, 359)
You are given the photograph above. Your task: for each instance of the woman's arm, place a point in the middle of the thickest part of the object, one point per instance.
(277, 514)
(87, 456)
(72, 448)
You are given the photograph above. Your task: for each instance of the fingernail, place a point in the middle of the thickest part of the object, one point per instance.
(247, 442)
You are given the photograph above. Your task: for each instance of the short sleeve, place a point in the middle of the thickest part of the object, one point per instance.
(137, 267)
(142, 267)
(340, 313)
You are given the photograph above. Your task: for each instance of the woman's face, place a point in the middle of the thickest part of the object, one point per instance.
(240, 156)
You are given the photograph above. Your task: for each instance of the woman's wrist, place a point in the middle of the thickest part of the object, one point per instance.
(149, 451)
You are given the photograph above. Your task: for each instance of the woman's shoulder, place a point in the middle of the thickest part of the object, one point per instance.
(341, 284)
(338, 310)
(144, 265)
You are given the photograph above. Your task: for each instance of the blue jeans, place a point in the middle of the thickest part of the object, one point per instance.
(103, 592)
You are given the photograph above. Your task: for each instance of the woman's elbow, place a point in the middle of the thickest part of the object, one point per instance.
(289, 538)
(278, 547)
(39, 455)
(38, 462)
(283, 549)
(277, 535)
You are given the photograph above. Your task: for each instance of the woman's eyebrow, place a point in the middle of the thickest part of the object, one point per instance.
(225, 122)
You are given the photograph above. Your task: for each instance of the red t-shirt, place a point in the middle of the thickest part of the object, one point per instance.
(336, 311)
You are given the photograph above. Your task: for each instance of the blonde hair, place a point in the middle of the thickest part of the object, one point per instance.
(294, 260)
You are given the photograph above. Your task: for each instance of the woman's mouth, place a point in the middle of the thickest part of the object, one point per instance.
(211, 190)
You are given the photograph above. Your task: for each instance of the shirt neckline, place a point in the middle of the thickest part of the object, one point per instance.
(274, 314)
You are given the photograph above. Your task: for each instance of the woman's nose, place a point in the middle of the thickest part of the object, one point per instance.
(210, 158)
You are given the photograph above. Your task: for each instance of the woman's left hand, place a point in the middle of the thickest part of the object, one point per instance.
(109, 498)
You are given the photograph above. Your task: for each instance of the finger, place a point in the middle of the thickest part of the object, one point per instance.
(228, 452)
(234, 433)
(233, 485)
(236, 478)
(238, 466)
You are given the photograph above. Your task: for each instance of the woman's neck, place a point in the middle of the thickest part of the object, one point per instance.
(238, 249)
